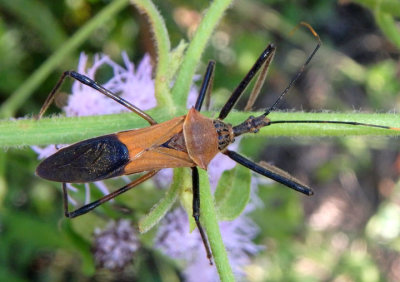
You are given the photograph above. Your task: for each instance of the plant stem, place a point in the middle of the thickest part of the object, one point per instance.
(62, 130)
(209, 219)
(196, 48)
(163, 46)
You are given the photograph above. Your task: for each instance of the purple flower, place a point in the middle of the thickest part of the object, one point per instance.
(114, 247)
(136, 87)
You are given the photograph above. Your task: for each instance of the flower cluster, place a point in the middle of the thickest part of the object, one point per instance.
(135, 86)
(114, 246)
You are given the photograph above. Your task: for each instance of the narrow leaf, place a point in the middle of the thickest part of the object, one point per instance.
(233, 193)
(164, 205)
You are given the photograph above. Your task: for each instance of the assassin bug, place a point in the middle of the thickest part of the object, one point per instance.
(191, 140)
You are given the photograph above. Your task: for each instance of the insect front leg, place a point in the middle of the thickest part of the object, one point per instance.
(206, 86)
(259, 82)
(196, 211)
(263, 60)
(86, 208)
(96, 86)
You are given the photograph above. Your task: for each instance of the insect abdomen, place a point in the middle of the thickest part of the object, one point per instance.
(87, 161)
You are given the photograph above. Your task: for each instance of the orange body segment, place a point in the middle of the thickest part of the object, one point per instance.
(146, 151)
(184, 141)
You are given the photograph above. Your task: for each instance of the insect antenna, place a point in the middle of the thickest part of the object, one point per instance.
(335, 122)
(301, 70)
(295, 78)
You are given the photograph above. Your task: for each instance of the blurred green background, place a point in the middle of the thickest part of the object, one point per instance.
(348, 231)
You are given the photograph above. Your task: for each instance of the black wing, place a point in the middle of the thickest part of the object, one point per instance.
(86, 161)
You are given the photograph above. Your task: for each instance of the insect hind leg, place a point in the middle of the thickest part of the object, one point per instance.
(86, 208)
(96, 86)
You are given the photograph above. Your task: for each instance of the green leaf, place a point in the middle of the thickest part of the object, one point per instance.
(388, 6)
(389, 26)
(385, 12)
(233, 193)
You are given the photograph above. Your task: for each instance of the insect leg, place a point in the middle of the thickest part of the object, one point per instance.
(300, 71)
(206, 86)
(259, 83)
(86, 208)
(265, 58)
(271, 172)
(93, 84)
(196, 210)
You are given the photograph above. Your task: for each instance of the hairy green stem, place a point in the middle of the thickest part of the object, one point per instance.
(165, 204)
(196, 49)
(209, 220)
(20, 96)
(63, 130)
(163, 46)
